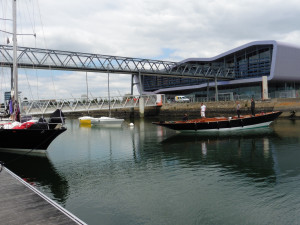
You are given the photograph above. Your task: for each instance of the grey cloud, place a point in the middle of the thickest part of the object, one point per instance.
(143, 28)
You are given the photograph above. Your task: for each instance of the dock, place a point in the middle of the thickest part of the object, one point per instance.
(21, 203)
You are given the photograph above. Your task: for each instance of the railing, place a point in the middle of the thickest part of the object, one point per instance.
(285, 94)
(42, 107)
(256, 96)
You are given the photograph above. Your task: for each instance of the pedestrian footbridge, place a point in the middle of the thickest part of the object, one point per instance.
(44, 107)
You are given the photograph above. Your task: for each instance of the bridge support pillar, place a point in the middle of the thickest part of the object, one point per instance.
(131, 92)
(216, 88)
(142, 100)
(142, 107)
(207, 91)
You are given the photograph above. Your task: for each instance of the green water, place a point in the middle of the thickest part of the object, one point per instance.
(151, 175)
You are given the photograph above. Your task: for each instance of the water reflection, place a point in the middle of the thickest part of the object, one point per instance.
(245, 152)
(153, 171)
(40, 172)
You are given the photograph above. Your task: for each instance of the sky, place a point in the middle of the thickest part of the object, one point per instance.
(170, 30)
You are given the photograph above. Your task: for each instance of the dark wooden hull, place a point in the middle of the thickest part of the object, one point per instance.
(36, 140)
(221, 123)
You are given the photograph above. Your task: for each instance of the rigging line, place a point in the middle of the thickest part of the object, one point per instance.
(53, 83)
(22, 26)
(37, 78)
(44, 36)
(46, 46)
(2, 82)
(7, 32)
(31, 19)
(30, 91)
(4, 79)
(4, 10)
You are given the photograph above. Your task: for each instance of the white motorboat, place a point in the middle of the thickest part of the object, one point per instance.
(107, 121)
(103, 120)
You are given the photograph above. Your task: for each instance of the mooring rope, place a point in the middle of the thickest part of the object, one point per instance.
(1, 165)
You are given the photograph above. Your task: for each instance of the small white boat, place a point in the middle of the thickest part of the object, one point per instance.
(103, 120)
(107, 121)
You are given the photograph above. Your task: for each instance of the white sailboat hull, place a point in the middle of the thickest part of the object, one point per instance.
(107, 121)
(103, 120)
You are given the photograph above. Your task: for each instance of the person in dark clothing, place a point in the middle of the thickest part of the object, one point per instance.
(185, 117)
(252, 107)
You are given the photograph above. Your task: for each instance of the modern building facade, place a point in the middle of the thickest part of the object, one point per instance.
(278, 62)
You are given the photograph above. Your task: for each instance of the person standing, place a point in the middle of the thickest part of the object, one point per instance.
(185, 117)
(238, 109)
(203, 109)
(252, 107)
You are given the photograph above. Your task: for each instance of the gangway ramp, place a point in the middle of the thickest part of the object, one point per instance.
(44, 107)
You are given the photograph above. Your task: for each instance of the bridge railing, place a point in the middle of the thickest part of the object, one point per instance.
(43, 107)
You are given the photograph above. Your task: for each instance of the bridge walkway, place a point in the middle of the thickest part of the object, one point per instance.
(44, 107)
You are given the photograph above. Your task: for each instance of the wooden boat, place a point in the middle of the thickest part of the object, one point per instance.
(222, 123)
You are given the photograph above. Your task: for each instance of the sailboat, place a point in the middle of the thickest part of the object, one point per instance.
(103, 120)
(24, 134)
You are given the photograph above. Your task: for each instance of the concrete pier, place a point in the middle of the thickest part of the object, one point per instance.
(228, 108)
(21, 203)
(221, 108)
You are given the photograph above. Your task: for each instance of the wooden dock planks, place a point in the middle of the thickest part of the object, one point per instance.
(20, 203)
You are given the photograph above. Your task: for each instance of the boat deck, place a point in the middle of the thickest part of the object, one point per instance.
(217, 119)
(23, 204)
(221, 123)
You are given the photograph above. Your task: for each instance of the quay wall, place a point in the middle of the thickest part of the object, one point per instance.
(289, 106)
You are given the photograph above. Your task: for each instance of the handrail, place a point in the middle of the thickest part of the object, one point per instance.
(47, 106)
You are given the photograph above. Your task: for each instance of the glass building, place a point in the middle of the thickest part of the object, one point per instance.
(278, 61)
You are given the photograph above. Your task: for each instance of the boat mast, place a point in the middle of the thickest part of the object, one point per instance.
(14, 92)
(87, 90)
(87, 87)
(109, 112)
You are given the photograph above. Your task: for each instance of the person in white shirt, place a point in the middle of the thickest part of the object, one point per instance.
(238, 109)
(203, 108)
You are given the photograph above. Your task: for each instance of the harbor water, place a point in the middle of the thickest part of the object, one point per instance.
(146, 174)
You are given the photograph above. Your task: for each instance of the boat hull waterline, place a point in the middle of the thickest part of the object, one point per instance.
(35, 141)
(222, 123)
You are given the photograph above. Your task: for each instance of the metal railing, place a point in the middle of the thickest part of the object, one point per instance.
(42, 107)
